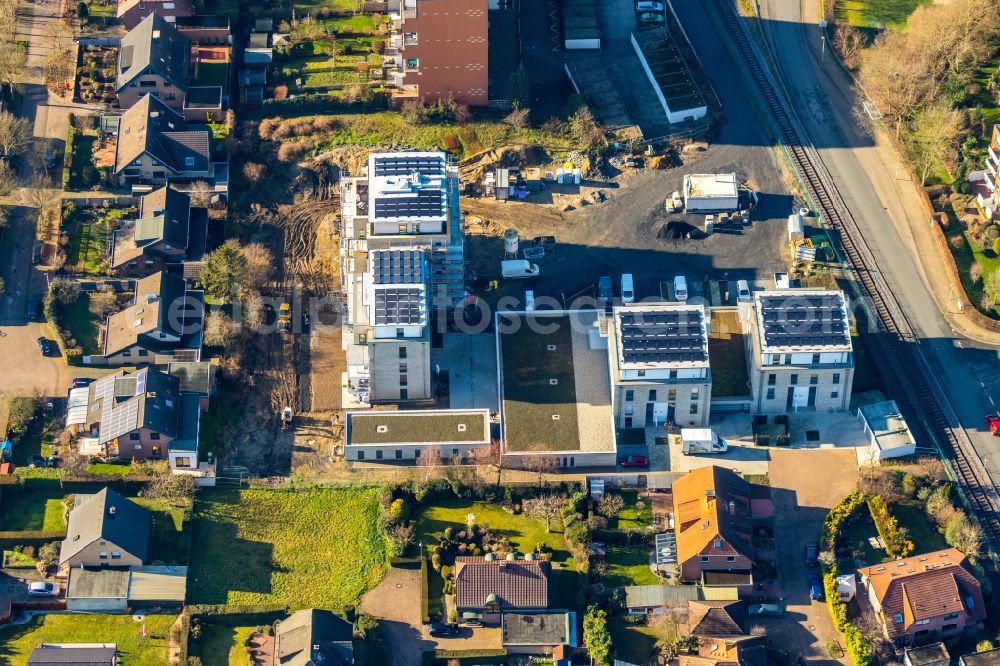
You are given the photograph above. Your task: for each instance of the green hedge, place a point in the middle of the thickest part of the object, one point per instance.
(226, 609)
(835, 519)
(857, 647)
(888, 527)
(34, 538)
(71, 356)
(68, 154)
(459, 654)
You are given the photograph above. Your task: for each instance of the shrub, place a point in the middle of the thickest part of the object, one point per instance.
(838, 515)
(895, 538)
(399, 511)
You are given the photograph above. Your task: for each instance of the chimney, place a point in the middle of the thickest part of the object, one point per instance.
(111, 511)
(732, 508)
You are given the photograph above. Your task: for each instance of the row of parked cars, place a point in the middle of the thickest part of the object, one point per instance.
(649, 12)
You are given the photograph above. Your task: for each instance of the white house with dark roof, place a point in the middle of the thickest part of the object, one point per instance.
(153, 58)
(659, 365)
(159, 236)
(799, 354)
(106, 530)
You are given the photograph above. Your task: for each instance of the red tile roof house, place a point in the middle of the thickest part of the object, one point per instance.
(924, 597)
(486, 587)
(713, 523)
(131, 12)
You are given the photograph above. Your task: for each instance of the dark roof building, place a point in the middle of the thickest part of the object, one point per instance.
(152, 128)
(988, 658)
(715, 618)
(162, 229)
(483, 583)
(124, 402)
(102, 526)
(312, 637)
(99, 654)
(935, 654)
(154, 46)
(538, 630)
(158, 320)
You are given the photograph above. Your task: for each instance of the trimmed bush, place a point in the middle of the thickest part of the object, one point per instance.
(888, 527)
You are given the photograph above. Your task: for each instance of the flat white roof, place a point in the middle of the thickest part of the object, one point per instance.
(802, 320)
(408, 186)
(721, 185)
(887, 425)
(668, 335)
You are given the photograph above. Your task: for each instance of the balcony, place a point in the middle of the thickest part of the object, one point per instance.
(993, 159)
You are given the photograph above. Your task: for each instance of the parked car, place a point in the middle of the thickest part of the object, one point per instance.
(766, 610)
(80, 382)
(628, 289)
(604, 290)
(441, 630)
(650, 17)
(680, 288)
(815, 587)
(44, 346)
(43, 589)
(648, 6)
(36, 252)
(743, 294)
(34, 310)
(811, 555)
(635, 461)
(993, 424)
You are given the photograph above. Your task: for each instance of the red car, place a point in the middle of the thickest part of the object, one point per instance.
(643, 461)
(993, 423)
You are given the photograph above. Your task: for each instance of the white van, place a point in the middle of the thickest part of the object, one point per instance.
(743, 291)
(628, 290)
(701, 440)
(518, 268)
(680, 288)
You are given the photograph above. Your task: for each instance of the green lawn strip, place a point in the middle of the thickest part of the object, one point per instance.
(362, 23)
(923, 532)
(568, 584)
(524, 532)
(17, 559)
(876, 13)
(35, 505)
(83, 157)
(169, 541)
(82, 325)
(223, 637)
(633, 643)
(86, 247)
(333, 5)
(629, 566)
(316, 548)
(631, 517)
(17, 642)
(100, 8)
(211, 73)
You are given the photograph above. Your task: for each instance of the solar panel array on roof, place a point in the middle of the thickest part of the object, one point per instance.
(404, 165)
(662, 336)
(397, 306)
(397, 267)
(804, 320)
(422, 203)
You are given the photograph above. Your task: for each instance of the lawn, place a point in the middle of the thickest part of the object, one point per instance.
(390, 129)
(87, 245)
(305, 6)
(223, 637)
(82, 166)
(633, 643)
(632, 517)
(923, 532)
(211, 73)
(316, 548)
(17, 642)
(81, 323)
(727, 353)
(524, 532)
(876, 13)
(170, 543)
(36, 505)
(629, 566)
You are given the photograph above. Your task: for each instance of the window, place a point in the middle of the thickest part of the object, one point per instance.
(673, 374)
(770, 394)
(115, 555)
(641, 373)
(898, 619)
(922, 622)
(399, 454)
(772, 379)
(143, 352)
(951, 616)
(731, 558)
(704, 558)
(836, 378)
(412, 63)
(154, 435)
(402, 353)
(671, 395)
(378, 454)
(402, 227)
(188, 161)
(786, 359)
(399, 333)
(813, 380)
(184, 462)
(404, 394)
(693, 409)
(402, 367)
(103, 556)
(170, 95)
(834, 395)
(147, 84)
(361, 455)
(138, 447)
(718, 543)
(628, 421)
(416, 227)
(454, 453)
(402, 381)
(652, 395)
(629, 395)
(949, 627)
(695, 393)
(416, 454)
(133, 436)
(815, 359)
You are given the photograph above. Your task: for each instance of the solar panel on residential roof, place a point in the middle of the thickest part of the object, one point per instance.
(397, 306)
(422, 203)
(404, 165)
(800, 320)
(397, 267)
(674, 336)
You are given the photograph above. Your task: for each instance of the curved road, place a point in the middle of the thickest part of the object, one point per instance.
(822, 95)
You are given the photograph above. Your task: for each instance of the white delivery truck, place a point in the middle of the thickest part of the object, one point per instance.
(701, 440)
(518, 268)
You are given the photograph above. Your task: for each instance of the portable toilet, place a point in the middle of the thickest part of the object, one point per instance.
(796, 227)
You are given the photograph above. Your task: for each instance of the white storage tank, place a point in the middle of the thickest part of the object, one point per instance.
(796, 227)
(510, 242)
(577, 175)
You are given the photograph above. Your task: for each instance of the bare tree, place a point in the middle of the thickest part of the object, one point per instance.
(15, 134)
(39, 191)
(220, 329)
(401, 536)
(518, 118)
(253, 312)
(259, 265)
(65, 291)
(8, 180)
(13, 56)
(871, 631)
(544, 507)
(610, 505)
(931, 142)
(430, 458)
(254, 172)
(969, 539)
(103, 302)
(173, 489)
(489, 456)
(542, 464)
(201, 194)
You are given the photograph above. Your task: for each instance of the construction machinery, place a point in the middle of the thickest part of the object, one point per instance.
(284, 317)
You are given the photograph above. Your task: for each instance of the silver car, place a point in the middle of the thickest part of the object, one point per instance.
(648, 6)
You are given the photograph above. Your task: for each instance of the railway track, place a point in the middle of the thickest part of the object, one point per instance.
(897, 336)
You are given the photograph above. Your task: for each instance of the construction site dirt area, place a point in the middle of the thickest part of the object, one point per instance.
(621, 225)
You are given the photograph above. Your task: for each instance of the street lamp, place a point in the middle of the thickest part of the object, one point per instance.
(822, 39)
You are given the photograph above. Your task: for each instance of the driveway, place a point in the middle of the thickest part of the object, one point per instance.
(805, 484)
(396, 602)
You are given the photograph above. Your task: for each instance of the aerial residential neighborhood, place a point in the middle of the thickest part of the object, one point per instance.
(466, 332)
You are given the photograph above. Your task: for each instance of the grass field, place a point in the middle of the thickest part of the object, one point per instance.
(87, 243)
(17, 642)
(37, 505)
(223, 637)
(923, 533)
(170, 543)
(83, 159)
(876, 13)
(85, 328)
(632, 517)
(305, 6)
(319, 548)
(211, 73)
(531, 360)
(629, 566)
(633, 643)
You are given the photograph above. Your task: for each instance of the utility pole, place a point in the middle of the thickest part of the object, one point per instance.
(822, 39)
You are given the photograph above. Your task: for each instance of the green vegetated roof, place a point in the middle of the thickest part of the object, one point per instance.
(530, 359)
(416, 427)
